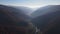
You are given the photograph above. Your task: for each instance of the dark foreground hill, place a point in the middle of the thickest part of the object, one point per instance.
(12, 19)
(43, 15)
(14, 13)
(19, 12)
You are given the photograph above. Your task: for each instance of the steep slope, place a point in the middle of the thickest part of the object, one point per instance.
(44, 10)
(19, 13)
(45, 14)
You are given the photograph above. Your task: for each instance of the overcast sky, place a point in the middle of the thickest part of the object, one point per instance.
(30, 3)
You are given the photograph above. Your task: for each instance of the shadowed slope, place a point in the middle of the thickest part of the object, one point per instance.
(46, 15)
(12, 21)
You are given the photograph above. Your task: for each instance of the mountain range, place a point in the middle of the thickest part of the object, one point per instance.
(44, 14)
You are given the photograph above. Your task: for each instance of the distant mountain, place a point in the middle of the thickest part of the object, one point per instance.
(26, 10)
(15, 11)
(43, 15)
(44, 10)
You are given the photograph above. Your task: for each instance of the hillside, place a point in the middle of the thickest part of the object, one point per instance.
(13, 11)
(43, 15)
(44, 10)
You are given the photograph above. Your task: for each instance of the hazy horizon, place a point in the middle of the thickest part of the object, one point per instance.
(30, 3)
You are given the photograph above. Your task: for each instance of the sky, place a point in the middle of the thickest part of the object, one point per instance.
(30, 3)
